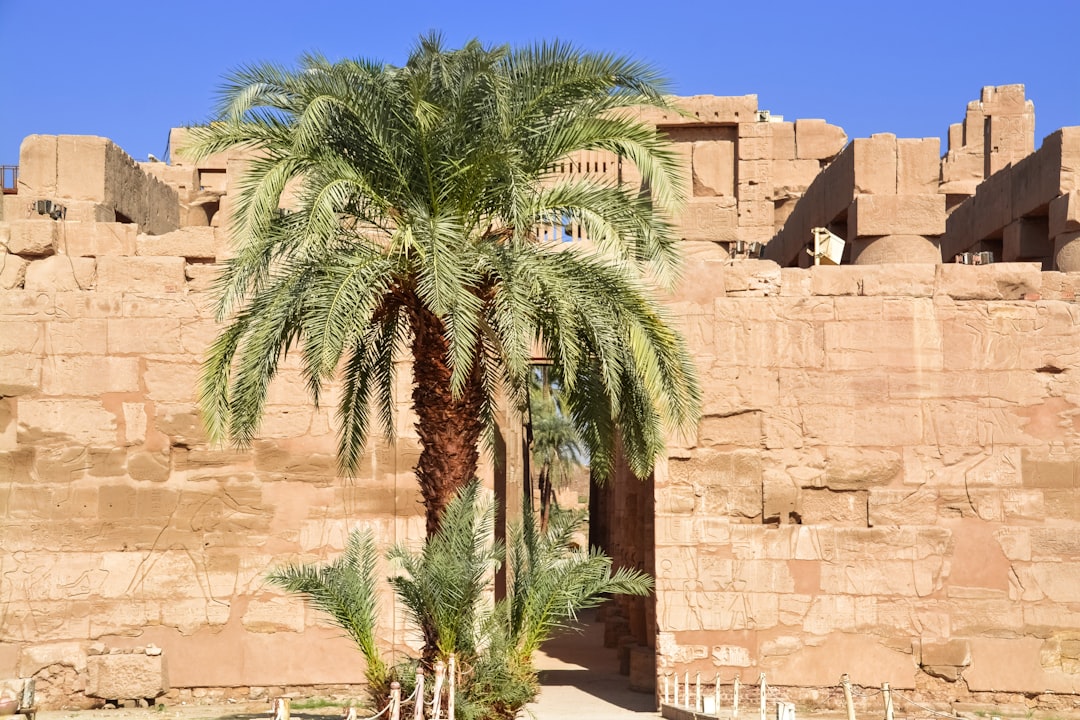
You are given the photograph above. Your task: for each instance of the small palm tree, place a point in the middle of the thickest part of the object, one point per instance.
(421, 189)
(444, 587)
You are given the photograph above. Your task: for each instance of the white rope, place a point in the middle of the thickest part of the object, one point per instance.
(923, 707)
(410, 698)
(381, 712)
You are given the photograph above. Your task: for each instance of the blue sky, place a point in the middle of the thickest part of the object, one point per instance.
(130, 70)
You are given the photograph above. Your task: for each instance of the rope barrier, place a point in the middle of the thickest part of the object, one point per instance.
(938, 713)
(679, 692)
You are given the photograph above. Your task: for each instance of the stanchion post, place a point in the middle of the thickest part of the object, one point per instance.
(451, 684)
(735, 700)
(846, 682)
(395, 700)
(716, 695)
(667, 689)
(761, 700)
(436, 690)
(697, 693)
(886, 693)
(676, 701)
(418, 707)
(686, 688)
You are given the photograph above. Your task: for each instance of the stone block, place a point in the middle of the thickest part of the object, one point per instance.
(144, 336)
(37, 166)
(818, 140)
(1026, 239)
(918, 166)
(875, 166)
(1000, 281)
(188, 242)
(133, 675)
(709, 219)
(20, 375)
(783, 145)
(945, 659)
(61, 272)
(699, 109)
(274, 615)
(12, 271)
(873, 215)
(81, 421)
(35, 237)
(94, 239)
(84, 336)
(756, 213)
(791, 178)
(141, 274)
(1064, 214)
(835, 508)
(713, 168)
(80, 167)
(756, 148)
(89, 375)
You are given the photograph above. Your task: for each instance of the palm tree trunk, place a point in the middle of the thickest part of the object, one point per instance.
(449, 427)
(546, 493)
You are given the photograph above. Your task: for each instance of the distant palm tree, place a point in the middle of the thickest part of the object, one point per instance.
(556, 447)
(419, 191)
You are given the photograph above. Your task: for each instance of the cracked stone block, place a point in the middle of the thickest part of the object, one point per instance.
(126, 676)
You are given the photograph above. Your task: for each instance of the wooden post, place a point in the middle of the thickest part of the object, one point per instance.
(280, 708)
(846, 682)
(735, 700)
(395, 700)
(436, 689)
(451, 683)
(418, 707)
(886, 693)
(667, 689)
(761, 700)
(716, 695)
(697, 693)
(686, 688)
(350, 713)
(676, 703)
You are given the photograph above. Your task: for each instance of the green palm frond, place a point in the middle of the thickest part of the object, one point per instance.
(346, 591)
(416, 193)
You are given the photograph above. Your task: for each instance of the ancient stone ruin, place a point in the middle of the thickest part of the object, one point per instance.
(886, 482)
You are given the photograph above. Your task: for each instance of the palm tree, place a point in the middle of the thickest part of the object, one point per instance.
(421, 190)
(443, 587)
(555, 442)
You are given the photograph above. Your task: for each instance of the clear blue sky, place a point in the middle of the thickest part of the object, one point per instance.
(131, 69)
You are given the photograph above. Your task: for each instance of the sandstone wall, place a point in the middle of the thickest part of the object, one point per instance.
(885, 481)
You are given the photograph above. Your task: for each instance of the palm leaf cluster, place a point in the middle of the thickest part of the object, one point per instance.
(445, 587)
(417, 193)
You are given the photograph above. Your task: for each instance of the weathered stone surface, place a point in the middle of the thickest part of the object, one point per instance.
(141, 274)
(33, 237)
(61, 272)
(131, 675)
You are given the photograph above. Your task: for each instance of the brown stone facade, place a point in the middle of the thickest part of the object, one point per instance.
(886, 480)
